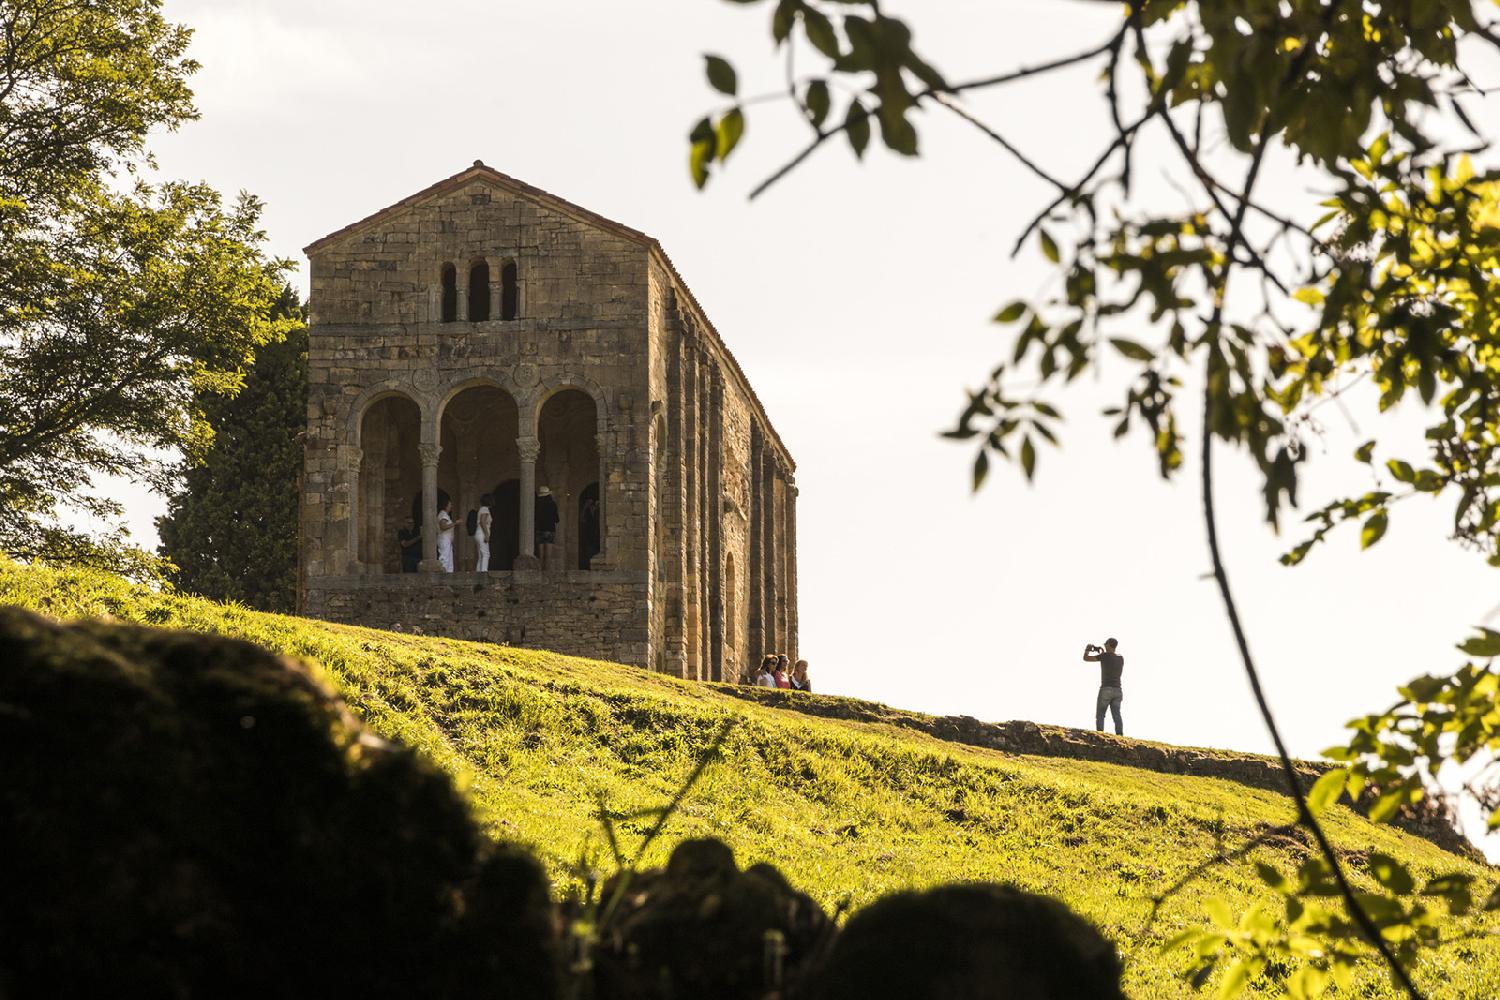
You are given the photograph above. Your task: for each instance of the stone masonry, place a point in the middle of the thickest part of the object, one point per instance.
(484, 337)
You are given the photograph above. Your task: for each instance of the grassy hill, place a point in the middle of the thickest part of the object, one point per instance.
(847, 809)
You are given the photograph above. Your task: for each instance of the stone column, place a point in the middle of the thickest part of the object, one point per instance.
(530, 449)
(791, 573)
(601, 558)
(354, 469)
(770, 544)
(430, 454)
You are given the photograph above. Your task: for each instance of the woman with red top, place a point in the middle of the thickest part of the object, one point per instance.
(783, 677)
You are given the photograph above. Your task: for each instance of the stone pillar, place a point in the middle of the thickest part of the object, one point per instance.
(791, 574)
(754, 641)
(716, 525)
(530, 449)
(770, 544)
(430, 454)
(354, 459)
(601, 558)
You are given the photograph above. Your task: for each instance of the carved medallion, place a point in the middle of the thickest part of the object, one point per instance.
(527, 376)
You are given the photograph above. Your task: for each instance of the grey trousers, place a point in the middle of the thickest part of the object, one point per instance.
(1109, 697)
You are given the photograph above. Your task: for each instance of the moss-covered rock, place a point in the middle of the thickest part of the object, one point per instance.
(969, 941)
(187, 815)
(701, 927)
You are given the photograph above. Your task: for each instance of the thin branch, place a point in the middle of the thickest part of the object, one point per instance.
(1004, 143)
(1221, 577)
(955, 88)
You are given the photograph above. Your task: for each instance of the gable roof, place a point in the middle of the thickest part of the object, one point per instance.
(480, 171)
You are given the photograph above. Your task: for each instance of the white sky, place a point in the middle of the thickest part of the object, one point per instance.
(857, 299)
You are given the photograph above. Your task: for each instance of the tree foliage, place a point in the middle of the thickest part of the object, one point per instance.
(123, 303)
(1238, 305)
(230, 530)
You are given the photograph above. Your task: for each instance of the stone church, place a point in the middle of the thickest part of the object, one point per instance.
(486, 338)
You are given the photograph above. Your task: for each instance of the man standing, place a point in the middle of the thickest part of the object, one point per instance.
(1111, 666)
(409, 538)
(546, 518)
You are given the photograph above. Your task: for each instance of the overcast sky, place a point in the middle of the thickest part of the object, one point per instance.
(856, 299)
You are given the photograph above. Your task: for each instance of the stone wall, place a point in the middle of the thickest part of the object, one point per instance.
(594, 614)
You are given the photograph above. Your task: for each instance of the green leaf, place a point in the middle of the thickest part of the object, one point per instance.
(731, 128)
(1028, 457)
(1236, 978)
(1049, 246)
(701, 153)
(1363, 452)
(721, 75)
(1401, 470)
(898, 133)
(817, 102)
(1391, 873)
(1486, 644)
(1373, 530)
(1386, 806)
(1271, 877)
(981, 468)
(857, 126)
(820, 31)
(1011, 313)
(1132, 350)
(1326, 790)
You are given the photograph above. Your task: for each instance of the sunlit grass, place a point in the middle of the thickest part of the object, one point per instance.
(847, 810)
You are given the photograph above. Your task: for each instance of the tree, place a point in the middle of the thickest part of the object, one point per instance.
(1270, 313)
(230, 529)
(123, 303)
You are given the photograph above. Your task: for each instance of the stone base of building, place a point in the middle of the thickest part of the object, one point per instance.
(580, 613)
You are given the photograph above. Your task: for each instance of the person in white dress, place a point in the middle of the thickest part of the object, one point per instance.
(482, 535)
(445, 527)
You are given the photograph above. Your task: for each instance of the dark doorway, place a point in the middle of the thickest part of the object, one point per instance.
(588, 525)
(505, 536)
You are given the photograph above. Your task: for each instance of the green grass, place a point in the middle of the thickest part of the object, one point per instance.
(847, 810)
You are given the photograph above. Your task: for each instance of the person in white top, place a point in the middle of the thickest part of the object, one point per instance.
(482, 535)
(445, 537)
(765, 678)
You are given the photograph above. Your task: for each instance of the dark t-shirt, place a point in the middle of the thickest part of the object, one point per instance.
(1111, 665)
(546, 514)
(411, 555)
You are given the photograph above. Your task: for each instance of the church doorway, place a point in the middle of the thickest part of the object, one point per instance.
(389, 469)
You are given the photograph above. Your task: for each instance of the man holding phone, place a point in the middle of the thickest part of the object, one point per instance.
(1111, 666)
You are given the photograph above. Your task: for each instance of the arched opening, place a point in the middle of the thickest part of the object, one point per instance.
(450, 293)
(588, 525)
(568, 464)
(510, 292)
(389, 470)
(479, 291)
(478, 435)
(506, 545)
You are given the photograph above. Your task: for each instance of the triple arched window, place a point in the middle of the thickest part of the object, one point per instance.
(481, 291)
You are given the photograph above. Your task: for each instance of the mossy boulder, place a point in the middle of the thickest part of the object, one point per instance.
(187, 815)
(968, 941)
(701, 927)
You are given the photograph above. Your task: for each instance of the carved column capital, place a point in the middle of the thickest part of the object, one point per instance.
(430, 454)
(530, 448)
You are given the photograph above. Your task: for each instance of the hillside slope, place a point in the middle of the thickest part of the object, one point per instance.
(847, 809)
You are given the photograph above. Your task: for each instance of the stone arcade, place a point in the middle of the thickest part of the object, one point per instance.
(486, 337)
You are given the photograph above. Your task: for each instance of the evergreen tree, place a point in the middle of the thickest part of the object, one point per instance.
(231, 529)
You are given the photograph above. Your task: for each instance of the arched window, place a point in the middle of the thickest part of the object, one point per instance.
(510, 293)
(479, 291)
(390, 469)
(450, 293)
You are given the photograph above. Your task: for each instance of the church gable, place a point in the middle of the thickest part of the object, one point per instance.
(479, 246)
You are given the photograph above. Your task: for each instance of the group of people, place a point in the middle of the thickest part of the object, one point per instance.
(480, 525)
(776, 671)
